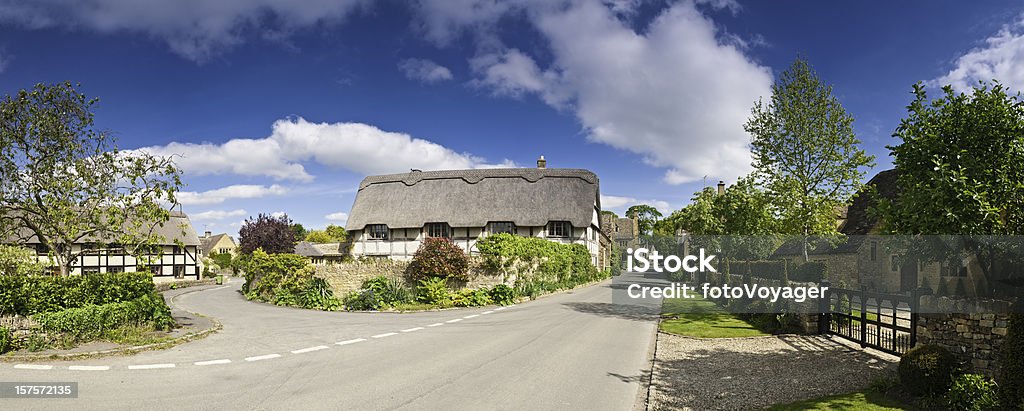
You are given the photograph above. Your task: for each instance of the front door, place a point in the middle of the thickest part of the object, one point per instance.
(908, 276)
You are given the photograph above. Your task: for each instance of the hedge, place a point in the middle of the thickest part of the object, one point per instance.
(93, 321)
(811, 271)
(770, 270)
(27, 295)
(557, 266)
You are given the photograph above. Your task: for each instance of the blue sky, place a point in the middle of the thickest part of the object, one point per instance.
(283, 106)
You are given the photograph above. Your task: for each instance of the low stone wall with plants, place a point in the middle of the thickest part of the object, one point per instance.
(349, 276)
(975, 338)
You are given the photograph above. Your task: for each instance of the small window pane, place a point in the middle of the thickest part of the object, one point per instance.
(377, 231)
(438, 230)
(502, 227)
(559, 229)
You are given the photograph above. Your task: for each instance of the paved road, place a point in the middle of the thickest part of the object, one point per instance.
(577, 350)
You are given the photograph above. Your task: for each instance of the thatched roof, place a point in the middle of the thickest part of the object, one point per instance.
(178, 228)
(472, 198)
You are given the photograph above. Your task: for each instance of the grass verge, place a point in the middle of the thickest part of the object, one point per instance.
(695, 317)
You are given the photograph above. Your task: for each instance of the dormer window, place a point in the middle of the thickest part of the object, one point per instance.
(377, 231)
(439, 230)
(499, 227)
(559, 229)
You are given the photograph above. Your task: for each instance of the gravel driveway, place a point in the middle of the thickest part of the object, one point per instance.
(754, 373)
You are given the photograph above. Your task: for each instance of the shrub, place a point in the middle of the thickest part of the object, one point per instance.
(16, 260)
(317, 295)
(972, 392)
(439, 258)
(435, 291)
(95, 321)
(362, 301)
(378, 293)
(471, 298)
(546, 265)
(811, 271)
(27, 295)
(1011, 377)
(6, 340)
(267, 273)
(502, 294)
(927, 369)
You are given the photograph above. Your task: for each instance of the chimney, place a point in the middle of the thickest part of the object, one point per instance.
(208, 234)
(542, 163)
(721, 187)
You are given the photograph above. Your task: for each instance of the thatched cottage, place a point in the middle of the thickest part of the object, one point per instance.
(393, 213)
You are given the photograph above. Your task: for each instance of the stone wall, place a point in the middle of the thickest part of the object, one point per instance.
(349, 276)
(975, 337)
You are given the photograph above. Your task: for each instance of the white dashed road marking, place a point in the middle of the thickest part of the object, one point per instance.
(412, 329)
(212, 362)
(383, 335)
(435, 324)
(347, 342)
(486, 312)
(262, 357)
(454, 321)
(150, 366)
(89, 367)
(33, 367)
(471, 316)
(310, 349)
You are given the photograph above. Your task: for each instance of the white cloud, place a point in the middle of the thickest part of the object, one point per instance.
(352, 146)
(424, 70)
(620, 204)
(340, 217)
(278, 214)
(217, 215)
(676, 92)
(230, 192)
(1001, 58)
(194, 29)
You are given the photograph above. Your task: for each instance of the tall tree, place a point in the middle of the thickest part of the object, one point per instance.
(645, 216)
(960, 162)
(273, 234)
(738, 220)
(299, 231)
(63, 182)
(806, 155)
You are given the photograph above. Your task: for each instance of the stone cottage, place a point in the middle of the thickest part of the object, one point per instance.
(394, 213)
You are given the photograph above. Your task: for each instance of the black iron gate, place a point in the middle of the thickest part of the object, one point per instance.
(887, 322)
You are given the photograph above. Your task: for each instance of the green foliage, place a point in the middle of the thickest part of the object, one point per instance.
(646, 216)
(439, 258)
(1011, 377)
(15, 260)
(806, 155)
(471, 298)
(299, 231)
(92, 322)
(223, 260)
(927, 369)
(61, 180)
(972, 392)
(27, 295)
(6, 340)
(609, 213)
(287, 279)
(739, 222)
(318, 237)
(435, 291)
(769, 269)
(811, 271)
(502, 294)
(331, 234)
(543, 266)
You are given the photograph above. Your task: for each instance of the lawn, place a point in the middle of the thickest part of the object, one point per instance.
(861, 400)
(695, 317)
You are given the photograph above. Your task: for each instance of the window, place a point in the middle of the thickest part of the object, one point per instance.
(439, 230)
(559, 229)
(91, 270)
(176, 250)
(623, 243)
(953, 269)
(499, 227)
(894, 264)
(156, 270)
(179, 271)
(874, 250)
(115, 269)
(377, 231)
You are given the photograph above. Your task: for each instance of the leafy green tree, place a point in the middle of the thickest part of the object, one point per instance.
(645, 216)
(318, 237)
(63, 182)
(299, 231)
(15, 260)
(960, 165)
(806, 155)
(609, 213)
(739, 220)
(331, 234)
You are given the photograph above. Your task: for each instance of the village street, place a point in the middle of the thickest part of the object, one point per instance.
(572, 350)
